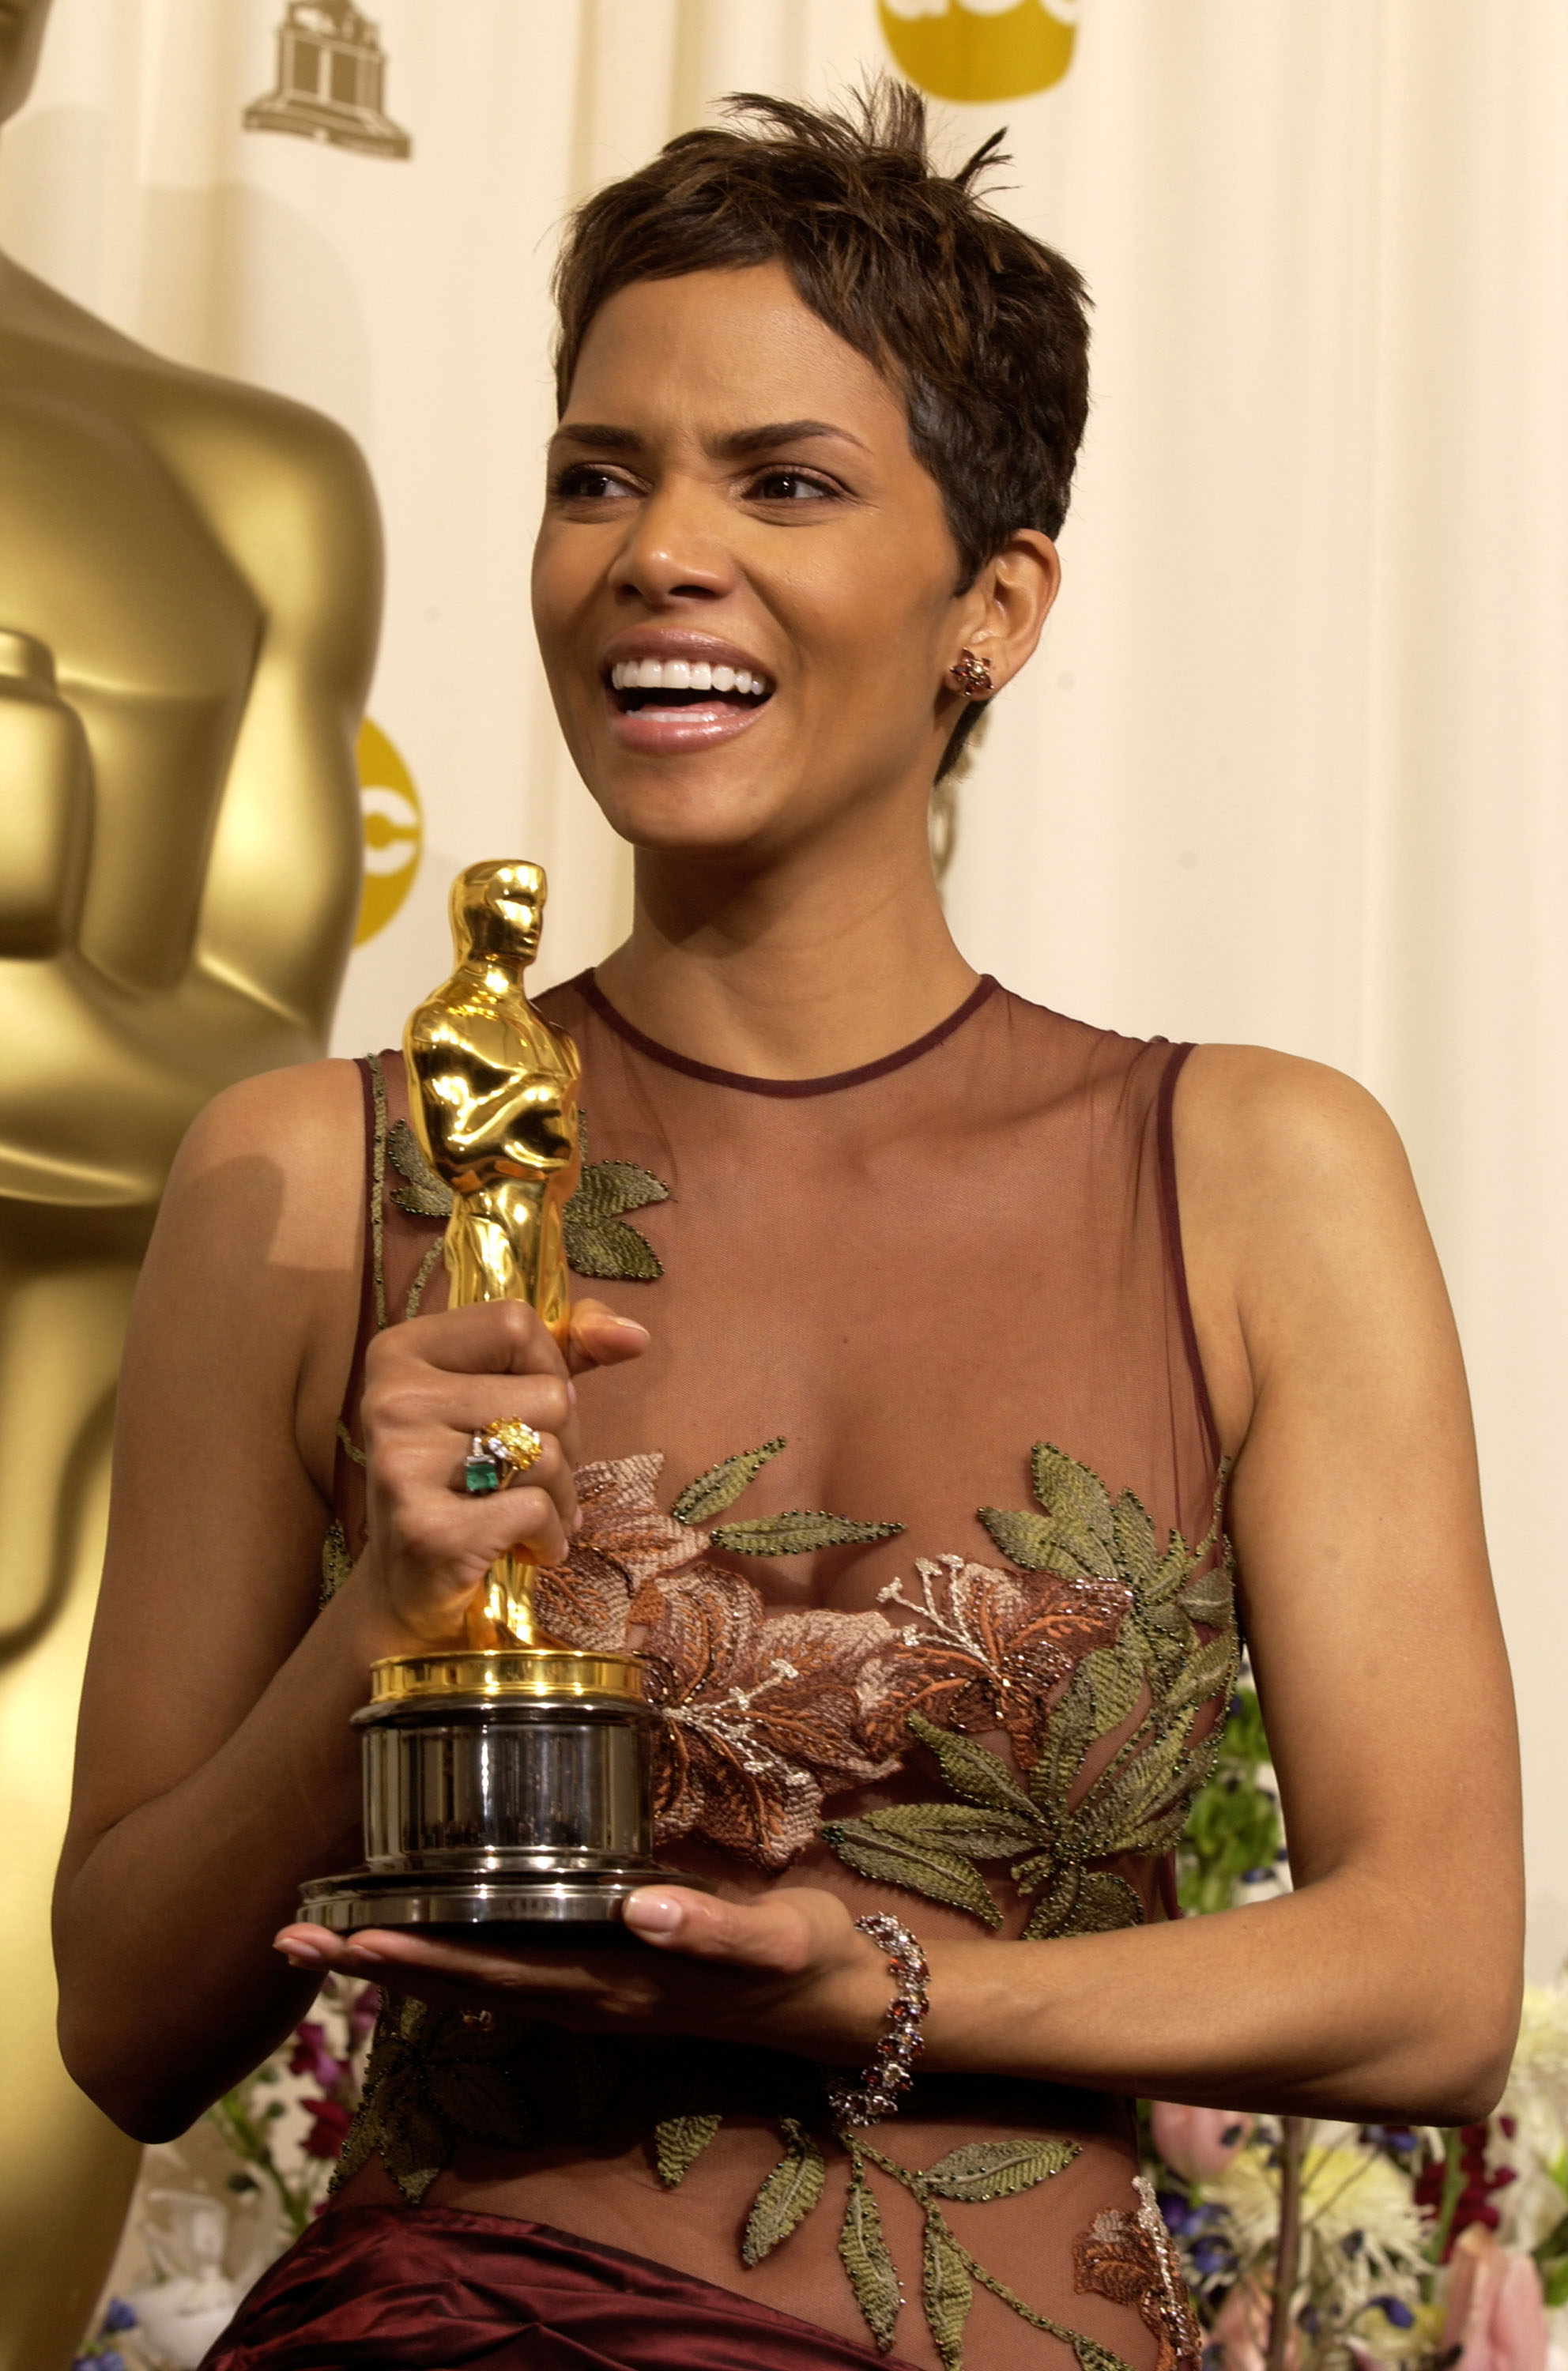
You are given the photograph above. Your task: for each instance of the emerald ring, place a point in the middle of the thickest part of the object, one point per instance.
(501, 1456)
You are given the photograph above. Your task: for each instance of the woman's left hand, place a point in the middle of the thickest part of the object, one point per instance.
(788, 1971)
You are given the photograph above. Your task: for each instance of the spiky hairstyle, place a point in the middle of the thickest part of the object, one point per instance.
(982, 329)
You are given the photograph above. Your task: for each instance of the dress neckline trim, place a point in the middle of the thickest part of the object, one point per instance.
(593, 996)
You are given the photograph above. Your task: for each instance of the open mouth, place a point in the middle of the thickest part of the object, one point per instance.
(667, 684)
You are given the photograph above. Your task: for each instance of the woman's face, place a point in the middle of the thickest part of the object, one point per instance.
(732, 490)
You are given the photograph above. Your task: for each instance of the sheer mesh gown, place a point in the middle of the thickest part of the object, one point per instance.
(912, 1506)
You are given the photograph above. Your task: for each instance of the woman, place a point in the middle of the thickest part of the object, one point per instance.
(1013, 1305)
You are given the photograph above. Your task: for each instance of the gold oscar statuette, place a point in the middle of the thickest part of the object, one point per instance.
(189, 591)
(506, 1780)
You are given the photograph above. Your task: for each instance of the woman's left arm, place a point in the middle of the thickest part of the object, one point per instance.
(1386, 1986)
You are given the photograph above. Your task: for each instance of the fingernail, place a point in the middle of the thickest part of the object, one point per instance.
(630, 1325)
(653, 1914)
(572, 1394)
(577, 1523)
(299, 1954)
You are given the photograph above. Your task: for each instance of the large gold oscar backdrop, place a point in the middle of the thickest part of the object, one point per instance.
(190, 585)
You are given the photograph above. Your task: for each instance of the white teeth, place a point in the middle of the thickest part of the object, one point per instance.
(685, 675)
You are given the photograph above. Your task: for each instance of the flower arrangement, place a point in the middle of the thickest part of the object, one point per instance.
(250, 2176)
(1330, 2247)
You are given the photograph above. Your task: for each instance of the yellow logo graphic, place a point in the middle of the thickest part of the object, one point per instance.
(394, 830)
(979, 51)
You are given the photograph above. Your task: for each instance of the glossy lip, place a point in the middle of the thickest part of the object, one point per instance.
(673, 730)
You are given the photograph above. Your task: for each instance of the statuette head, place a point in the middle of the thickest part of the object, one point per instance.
(498, 910)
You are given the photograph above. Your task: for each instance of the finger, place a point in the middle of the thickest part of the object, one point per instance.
(492, 1337)
(601, 1336)
(772, 1934)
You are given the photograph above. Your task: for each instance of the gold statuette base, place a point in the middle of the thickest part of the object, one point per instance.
(505, 1789)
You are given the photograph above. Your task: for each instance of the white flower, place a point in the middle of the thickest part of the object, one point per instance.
(1536, 2103)
(1361, 2230)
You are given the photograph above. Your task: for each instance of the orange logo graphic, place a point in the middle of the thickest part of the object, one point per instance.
(394, 830)
(980, 51)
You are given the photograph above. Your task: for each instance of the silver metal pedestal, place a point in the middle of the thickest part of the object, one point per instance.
(498, 1806)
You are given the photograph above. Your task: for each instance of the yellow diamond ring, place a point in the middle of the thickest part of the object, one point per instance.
(501, 1455)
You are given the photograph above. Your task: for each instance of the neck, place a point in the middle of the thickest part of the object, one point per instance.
(501, 975)
(828, 958)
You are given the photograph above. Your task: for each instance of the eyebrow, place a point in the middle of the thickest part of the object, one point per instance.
(601, 436)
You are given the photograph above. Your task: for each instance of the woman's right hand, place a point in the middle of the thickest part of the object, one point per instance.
(430, 1385)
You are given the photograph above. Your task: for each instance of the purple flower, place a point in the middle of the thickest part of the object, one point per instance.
(118, 2315)
(312, 2057)
(1394, 2309)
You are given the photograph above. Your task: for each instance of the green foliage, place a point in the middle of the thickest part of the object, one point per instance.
(1234, 1825)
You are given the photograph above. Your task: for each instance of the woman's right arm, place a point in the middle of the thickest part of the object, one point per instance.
(217, 1768)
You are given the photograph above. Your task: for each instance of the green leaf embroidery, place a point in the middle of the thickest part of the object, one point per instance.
(1209, 1598)
(798, 1532)
(787, 2197)
(940, 1876)
(947, 2290)
(599, 1242)
(722, 1484)
(678, 2142)
(971, 1770)
(1025, 1538)
(1053, 1914)
(1077, 1502)
(964, 1827)
(1105, 1904)
(426, 1194)
(608, 1187)
(1133, 1537)
(610, 1250)
(1114, 1677)
(986, 2169)
(337, 1564)
(863, 2252)
(1092, 2356)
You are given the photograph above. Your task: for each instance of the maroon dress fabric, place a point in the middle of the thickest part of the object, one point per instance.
(917, 1479)
(444, 2290)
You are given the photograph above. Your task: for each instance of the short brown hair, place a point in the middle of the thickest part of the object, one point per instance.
(983, 327)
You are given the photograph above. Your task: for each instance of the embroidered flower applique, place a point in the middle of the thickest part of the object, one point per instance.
(764, 1715)
(988, 1651)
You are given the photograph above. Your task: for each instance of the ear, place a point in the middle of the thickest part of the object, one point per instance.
(1004, 611)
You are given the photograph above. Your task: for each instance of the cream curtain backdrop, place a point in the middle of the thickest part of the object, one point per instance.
(1291, 766)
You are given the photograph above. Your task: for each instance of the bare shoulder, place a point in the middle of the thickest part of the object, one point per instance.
(1300, 1223)
(287, 1146)
(1255, 1129)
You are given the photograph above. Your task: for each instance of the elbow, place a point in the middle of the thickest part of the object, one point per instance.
(1453, 2068)
(139, 2098)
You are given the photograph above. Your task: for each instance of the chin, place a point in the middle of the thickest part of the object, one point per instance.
(687, 817)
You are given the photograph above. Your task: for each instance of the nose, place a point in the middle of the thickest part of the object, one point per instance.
(673, 550)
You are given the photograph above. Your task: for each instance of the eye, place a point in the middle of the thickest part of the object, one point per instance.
(787, 485)
(587, 482)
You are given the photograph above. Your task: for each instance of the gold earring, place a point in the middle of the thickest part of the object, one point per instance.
(972, 675)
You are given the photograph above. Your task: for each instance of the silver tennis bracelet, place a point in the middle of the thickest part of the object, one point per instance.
(880, 2087)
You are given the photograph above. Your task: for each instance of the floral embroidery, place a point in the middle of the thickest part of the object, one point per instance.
(1112, 1764)
(1129, 2258)
(764, 1715)
(988, 1651)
